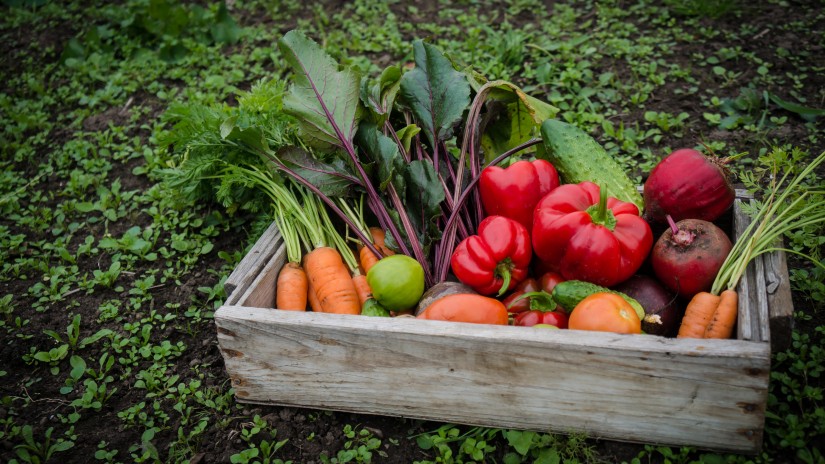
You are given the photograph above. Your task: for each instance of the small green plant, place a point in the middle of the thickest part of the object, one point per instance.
(451, 445)
(262, 452)
(359, 446)
(36, 451)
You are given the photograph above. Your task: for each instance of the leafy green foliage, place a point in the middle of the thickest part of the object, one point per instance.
(323, 99)
(435, 92)
(85, 147)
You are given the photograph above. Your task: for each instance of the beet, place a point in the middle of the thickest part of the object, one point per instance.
(687, 257)
(663, 312)
(688, 185)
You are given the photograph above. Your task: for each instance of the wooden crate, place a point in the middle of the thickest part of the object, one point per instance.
(648, 389)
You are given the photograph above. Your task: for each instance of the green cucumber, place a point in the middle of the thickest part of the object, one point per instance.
(578, 157)
(570, 293)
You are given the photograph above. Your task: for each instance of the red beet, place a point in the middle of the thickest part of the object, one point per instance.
(688, 185)
(687, 257)
(662, 309)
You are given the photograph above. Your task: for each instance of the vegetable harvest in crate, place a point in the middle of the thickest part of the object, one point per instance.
(430, 191)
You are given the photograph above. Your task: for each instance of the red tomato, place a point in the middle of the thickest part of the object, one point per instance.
(531, 318)
(549, 280)
(529, 285)
(605, 312)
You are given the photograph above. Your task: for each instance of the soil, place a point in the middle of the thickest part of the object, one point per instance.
(310, 432)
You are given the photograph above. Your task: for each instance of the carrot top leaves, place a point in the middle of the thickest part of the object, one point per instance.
(783, 211)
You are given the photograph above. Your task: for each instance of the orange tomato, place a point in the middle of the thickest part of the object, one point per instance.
(476, 309)
(605, 312)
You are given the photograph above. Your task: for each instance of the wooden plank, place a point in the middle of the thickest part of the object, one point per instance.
(706, 393)
(761, 293)
(780, 302)
(251, 264)
(261, 292)
(747, 325)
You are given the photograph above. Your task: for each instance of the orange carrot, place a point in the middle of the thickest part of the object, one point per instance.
(698, 314)
(367, 257)
(291, 288)
(332, 281)
(362, 287)
(312, 297)
(721, 326)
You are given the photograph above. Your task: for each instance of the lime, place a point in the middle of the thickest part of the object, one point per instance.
(397, 282)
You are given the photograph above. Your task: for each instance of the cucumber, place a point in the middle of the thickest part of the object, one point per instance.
(578, 157)
(570, 293)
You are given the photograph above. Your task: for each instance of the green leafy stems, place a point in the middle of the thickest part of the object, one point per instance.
(414, 185)
(774, 219)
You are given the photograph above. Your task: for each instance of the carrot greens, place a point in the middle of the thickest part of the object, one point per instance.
(787, 207)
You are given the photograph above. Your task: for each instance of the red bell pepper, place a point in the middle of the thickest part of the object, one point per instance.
(495, 260)
(514, 191)
(584, 235)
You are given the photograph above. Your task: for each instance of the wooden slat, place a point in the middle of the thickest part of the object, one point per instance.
(765, 305)
(780, 302)
(251, 264)
(761, 293)
(747, 322)
(705, 393)
(261, 292)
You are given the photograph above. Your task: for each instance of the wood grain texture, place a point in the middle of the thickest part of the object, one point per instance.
(250, 266)
(260, 292)
(764, 294)
(780, 302)
(706, 393)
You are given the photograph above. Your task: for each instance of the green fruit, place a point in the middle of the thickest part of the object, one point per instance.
(579, 157)
(397, 282)
(373, 308)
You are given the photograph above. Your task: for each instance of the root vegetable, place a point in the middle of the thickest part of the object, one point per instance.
(687, 257)
(662, 309)
(688, 185)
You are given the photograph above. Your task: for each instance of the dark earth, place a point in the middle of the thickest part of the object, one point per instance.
(297, 424)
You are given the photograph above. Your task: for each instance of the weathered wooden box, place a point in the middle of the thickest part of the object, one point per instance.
(639, 388)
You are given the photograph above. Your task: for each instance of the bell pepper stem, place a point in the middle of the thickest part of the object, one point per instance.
(504, 271)
(601, 213)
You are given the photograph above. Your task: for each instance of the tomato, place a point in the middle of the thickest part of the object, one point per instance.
(397, 282)
(529, 285)
(533, 318)
(549, 280)
(465, 307)
(605, 312)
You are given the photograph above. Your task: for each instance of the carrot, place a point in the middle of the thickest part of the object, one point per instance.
(724, 318)
(698, 314)
(291, 288)
(362, 287)
(312, 297)
(366, 256)
(332, 282)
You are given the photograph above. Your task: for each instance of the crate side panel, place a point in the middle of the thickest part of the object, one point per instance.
(252, 263)
(780, 302)
(709, 394)
(261, 292)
